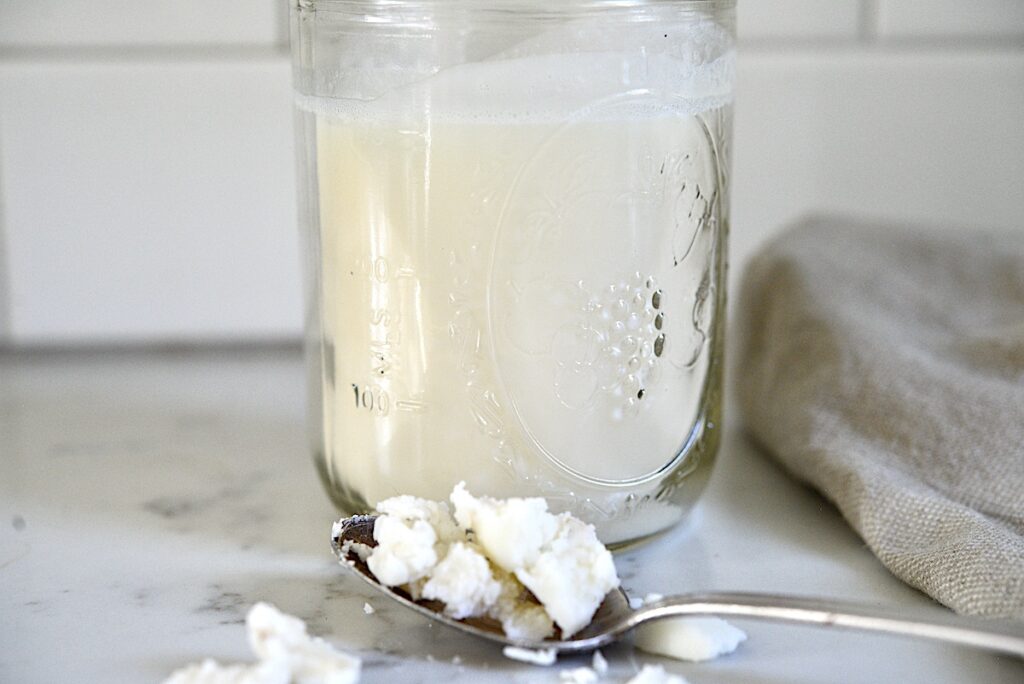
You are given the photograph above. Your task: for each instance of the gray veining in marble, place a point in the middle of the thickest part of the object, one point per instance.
(147, 500)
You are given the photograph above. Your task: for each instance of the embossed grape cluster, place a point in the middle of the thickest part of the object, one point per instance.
(626, 320)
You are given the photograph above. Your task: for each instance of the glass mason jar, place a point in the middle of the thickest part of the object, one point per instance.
(515, 216)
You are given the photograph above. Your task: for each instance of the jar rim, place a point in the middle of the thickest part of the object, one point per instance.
(512, 4)
(402, 11)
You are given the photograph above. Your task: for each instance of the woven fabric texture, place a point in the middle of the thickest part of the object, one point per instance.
(884, 365)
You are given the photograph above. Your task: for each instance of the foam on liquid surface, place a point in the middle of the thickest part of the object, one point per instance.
(565, 72)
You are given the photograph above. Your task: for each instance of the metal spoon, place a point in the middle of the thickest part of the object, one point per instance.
(614, 618)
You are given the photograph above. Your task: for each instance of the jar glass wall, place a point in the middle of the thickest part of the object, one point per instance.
(515, 215)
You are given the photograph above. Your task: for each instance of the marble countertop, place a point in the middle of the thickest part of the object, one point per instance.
(148, 499)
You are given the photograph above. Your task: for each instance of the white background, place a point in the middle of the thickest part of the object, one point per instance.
(147, 174)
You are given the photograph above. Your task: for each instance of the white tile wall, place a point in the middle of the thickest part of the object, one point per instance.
(798, 19)
(950, 18)
(149, 200)
(64, 23)
(148, 194)
(929, 137)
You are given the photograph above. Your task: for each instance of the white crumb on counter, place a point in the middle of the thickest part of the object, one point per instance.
(274, 635)
(635, 602)
(579, 675)
(651, 598)
(543, 657)
(287, 654)
(587, 675)
(368, 609)
(691, 638)
(656, 674)
(211, 672)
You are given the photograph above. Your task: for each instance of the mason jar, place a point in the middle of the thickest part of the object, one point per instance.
(514, 215)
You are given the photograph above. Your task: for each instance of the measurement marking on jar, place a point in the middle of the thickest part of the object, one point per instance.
(381, 365)
(380, 270)
(391, 337)
(372, 399)
(410, 406)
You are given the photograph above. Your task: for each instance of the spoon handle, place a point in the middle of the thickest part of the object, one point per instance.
(992, 635)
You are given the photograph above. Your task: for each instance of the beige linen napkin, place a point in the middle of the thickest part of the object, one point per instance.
(885, 366)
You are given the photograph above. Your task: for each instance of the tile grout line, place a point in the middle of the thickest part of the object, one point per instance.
(828, 47)
(284, 24)
(867, 30)
(142, 53)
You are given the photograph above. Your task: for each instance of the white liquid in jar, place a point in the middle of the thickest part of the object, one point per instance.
(519, 299)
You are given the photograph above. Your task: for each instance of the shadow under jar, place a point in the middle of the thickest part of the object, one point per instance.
(514, 217)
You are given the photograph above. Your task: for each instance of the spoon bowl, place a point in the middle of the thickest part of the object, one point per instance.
(615, 618)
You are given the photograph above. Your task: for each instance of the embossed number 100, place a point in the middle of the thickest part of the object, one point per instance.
(372, 399)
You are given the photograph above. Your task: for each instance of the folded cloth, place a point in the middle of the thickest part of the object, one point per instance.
(884, 365)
